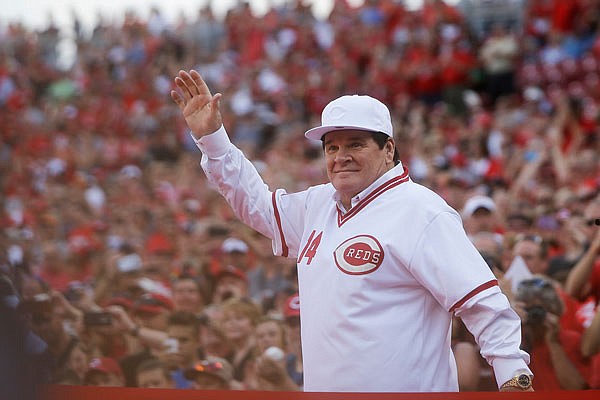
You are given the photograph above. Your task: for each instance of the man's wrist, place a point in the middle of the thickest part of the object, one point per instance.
(522, 380)
(215, 144)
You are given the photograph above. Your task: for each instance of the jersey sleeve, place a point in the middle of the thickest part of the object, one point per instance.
(446, 263)
(275, 214)
(451, 268)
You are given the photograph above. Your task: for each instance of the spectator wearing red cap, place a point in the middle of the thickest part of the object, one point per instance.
(104, 371)
(230, 282)
(152, 310)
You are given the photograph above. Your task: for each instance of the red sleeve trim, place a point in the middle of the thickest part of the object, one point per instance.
(284, 247)
(473, 292)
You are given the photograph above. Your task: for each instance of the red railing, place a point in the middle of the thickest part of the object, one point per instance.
(59, 392)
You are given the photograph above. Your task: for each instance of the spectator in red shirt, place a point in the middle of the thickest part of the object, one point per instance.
(556, 359)
(584, 279)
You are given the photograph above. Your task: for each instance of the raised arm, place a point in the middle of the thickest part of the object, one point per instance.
(578, 280)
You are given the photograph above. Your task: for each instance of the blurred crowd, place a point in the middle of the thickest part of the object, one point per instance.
(121, 266)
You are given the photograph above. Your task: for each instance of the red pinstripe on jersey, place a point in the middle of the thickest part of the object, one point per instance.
(392, 183)
(473, 292)
(284, 247)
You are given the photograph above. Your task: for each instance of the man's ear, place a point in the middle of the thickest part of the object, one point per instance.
(390, 148)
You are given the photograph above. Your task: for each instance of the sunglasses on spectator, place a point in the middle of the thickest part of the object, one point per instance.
(534, 283)
(208, 366)
(592, 221)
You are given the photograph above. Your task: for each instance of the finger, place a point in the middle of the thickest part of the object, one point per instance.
(201, 86)
(215, 103)
(182, 85)
(189, 82)
(178, 99)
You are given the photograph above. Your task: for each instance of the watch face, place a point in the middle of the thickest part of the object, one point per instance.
(524, 380)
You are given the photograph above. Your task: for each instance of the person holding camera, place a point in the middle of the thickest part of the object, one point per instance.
(556, 358)
(182, 348)
(380, 258)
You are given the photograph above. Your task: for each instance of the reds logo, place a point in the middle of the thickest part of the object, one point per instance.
(359, 255)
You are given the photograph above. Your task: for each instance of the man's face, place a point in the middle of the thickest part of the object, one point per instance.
(482, 220)
(153, 320)
(531, 253)
(186, 296)
(268, 334)
(354, 161)
(187, 338)
(153, 378)
(236, 325)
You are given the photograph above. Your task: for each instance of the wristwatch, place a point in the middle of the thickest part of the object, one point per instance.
(521, 381)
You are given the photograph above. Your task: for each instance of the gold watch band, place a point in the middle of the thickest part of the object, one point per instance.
(521, 381)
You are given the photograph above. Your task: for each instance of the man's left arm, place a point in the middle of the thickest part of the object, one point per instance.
(496, 328)
(452, 269)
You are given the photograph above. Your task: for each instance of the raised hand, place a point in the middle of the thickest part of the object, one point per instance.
(199, 107)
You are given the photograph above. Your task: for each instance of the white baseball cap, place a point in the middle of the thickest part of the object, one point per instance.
(353, 112)
(476, 202)
(233, 244)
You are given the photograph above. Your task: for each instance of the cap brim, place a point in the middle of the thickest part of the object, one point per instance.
(148, 309)
(318, 132)
(233, 274)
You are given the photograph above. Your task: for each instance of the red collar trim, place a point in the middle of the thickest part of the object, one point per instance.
(392, 183)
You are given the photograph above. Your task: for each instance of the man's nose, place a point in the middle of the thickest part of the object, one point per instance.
(342, 155)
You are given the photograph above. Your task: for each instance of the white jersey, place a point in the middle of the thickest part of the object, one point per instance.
(378, 283)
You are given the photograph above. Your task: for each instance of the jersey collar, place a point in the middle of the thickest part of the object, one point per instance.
(390, 179)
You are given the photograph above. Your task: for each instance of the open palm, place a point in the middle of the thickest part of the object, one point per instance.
(199, 107)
